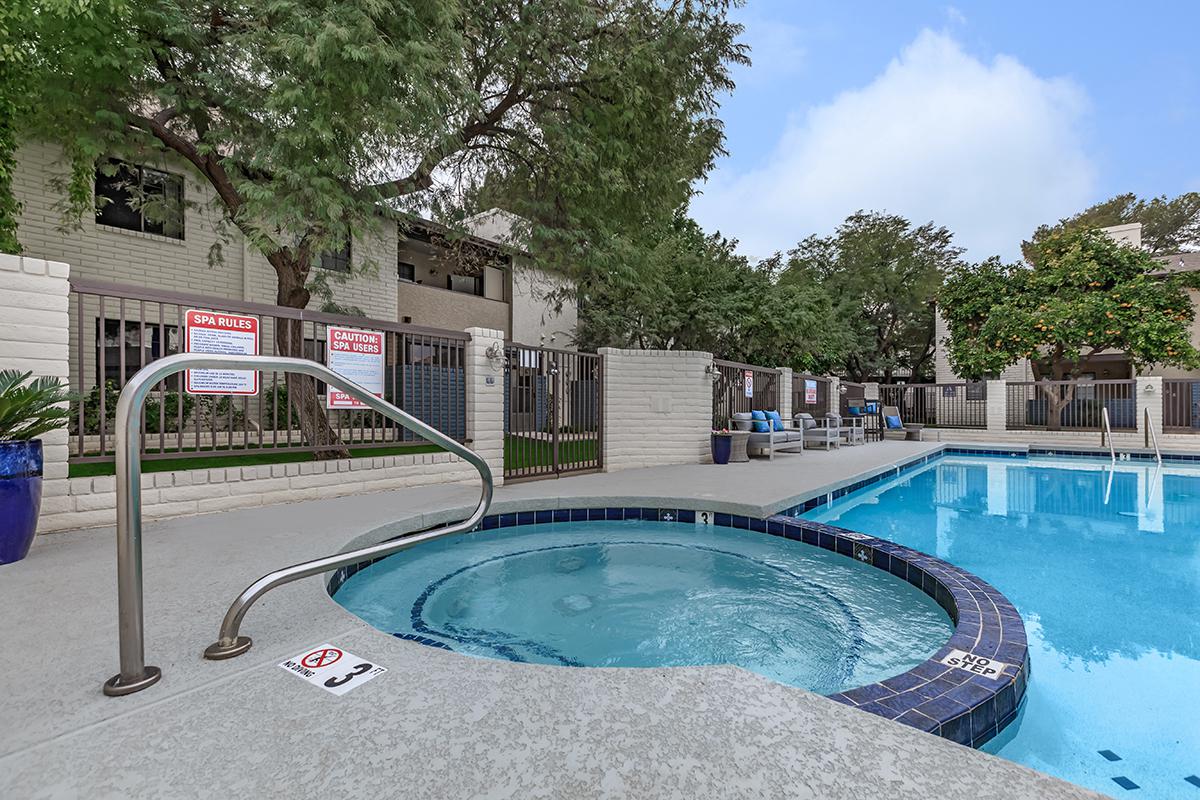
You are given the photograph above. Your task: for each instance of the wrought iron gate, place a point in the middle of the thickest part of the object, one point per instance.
(552, 412)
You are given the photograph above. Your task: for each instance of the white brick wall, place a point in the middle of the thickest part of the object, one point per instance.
(657, 407)
(485, 401)
(34, 328)
(88, 502)
(786, 377)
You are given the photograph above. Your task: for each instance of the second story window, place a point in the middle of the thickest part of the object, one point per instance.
(467, 284)
(138, 198)
(406, 272)
(337, 261)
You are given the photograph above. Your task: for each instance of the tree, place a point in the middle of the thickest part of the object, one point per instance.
(1168, 226)
(882, 274)
(311, 119)
(1084, 295)
(690, 291)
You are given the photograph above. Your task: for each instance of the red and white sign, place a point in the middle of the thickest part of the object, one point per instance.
(333, 669)
(218, 332)
(748, 383)
(356, 355)
(810, 392)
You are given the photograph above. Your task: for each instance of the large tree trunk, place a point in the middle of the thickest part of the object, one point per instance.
(302, 389)
(1057, 397)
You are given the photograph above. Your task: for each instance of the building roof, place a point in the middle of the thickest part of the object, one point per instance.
(1179, 262)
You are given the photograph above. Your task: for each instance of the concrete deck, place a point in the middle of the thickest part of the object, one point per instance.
(438, 724)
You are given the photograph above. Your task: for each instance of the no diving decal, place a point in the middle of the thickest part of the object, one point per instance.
(978, 665)
(333, 669)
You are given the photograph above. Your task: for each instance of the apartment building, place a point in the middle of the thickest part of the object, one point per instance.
(412, 272)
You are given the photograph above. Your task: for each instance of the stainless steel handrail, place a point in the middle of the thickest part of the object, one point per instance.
(1112, 452)
(1152, 435)
(135, 674)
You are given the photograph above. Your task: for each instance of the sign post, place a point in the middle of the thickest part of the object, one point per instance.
(356, 355)
(218, 332)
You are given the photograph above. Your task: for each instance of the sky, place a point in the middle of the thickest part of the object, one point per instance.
(987, 117)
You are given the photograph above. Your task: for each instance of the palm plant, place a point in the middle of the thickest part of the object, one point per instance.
(28, 410)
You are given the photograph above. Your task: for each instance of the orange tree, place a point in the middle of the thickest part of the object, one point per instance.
(1082, 294)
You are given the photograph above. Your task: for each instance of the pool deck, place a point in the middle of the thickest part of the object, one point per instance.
(437, 724)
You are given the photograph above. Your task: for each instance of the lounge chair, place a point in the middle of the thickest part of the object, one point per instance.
(910, 430)
(817, 433)
(850, 428)
(768, 441)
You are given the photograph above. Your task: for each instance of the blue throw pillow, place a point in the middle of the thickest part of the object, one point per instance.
(760, 422)
(775, 420)
(894, 422)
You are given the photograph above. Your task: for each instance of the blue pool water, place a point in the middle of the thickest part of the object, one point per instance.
(654, 594)
(1110, 595)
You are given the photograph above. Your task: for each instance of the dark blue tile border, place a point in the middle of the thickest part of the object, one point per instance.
(950, 701)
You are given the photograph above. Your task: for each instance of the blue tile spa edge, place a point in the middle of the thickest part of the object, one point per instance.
(968, 691)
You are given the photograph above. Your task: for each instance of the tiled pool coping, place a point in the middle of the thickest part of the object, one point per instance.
(953, 702)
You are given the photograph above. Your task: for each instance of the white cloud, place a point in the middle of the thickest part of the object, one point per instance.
(989, 150)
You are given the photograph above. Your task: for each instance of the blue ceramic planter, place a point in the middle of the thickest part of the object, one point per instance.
(20, 497)
(721, 445)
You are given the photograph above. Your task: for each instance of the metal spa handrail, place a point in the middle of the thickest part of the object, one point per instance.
(135, 675)
(1112, 451)
(1152, 435)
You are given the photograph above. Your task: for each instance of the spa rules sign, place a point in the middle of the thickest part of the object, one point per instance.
(357, 356)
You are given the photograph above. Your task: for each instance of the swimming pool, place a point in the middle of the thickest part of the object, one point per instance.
(642, 593)
(1104, 566)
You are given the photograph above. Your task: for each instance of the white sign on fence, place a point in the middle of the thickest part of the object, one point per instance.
(358, 356)
(810, 392)
(748, 382)
(218, 332)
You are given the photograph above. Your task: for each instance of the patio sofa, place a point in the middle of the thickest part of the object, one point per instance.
(768, 441)
(826, 431)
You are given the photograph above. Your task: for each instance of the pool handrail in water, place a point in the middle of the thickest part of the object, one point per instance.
(135, 674)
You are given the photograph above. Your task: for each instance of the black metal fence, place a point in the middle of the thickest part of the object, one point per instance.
(1071, 405)
(553, 416)
(810, 394)
(118, 329)
(939, 405)
(741, 387)
(1181, 405)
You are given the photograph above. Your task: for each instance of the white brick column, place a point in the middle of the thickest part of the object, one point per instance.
(997, 405)
(657, 407)
(485, 398)
(34, 330)
(786, 377)
(835, 394)
(1150, 398)
(871, 391)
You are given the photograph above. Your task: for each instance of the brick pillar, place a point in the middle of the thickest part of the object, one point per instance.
(997, 405)
(657, 407)
(1150, 398)
(835, 394)
(485, 398)
(871, 391)
(786, 378)
(34, 332)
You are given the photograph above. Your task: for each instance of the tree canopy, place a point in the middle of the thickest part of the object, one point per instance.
(1083, 295)
(1168, 226)
(882, 274)
(309, 118)
(692, 291)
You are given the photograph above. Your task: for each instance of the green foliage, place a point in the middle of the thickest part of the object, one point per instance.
(309, 118)
(28, 408)
(881, 274)
(161, 413)
(1168, 226)
(685, 290)
(1084, 295)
